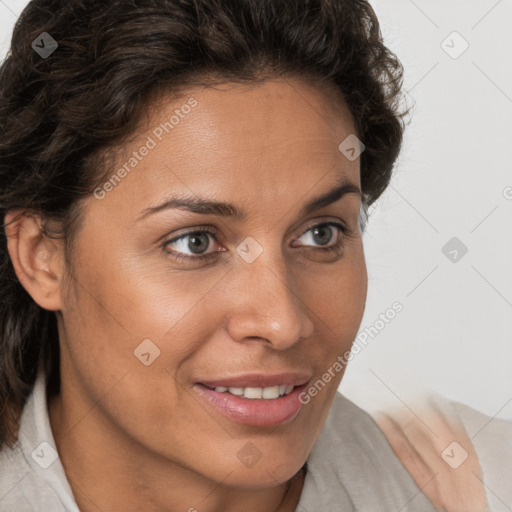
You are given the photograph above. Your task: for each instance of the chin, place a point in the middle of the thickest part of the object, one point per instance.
(260, 480)
(263, 474)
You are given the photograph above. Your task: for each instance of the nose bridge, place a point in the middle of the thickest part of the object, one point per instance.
(267, 306)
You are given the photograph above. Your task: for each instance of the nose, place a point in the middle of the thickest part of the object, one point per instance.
(267, 306)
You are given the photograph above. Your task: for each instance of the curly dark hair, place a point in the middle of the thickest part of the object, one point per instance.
(62, 114)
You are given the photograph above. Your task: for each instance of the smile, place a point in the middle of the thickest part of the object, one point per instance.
(268, 393)
(255, 400)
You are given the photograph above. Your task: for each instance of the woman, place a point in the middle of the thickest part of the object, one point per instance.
(141, 370)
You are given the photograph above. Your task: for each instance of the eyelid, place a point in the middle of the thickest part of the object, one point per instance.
(191, 231)
(214, 231)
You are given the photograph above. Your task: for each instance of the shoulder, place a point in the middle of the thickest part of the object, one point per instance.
(17, 480)
(22, 488)
(31, 474)
(353, 466)
(492, 441)
(13, 468)
(454, 453)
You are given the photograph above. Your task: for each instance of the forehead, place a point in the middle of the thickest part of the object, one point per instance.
(255, 142)
(261, 116)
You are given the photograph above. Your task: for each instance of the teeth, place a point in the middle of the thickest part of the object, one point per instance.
(271, 392)
(268, 393)
(253, 392)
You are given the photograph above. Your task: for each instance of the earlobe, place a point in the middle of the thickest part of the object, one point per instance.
(37, 259)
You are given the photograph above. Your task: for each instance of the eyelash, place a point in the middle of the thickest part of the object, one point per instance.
(178, 256)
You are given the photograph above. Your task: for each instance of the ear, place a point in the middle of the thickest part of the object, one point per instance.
(37, 260)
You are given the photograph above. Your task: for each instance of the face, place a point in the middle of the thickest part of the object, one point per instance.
(168, 307)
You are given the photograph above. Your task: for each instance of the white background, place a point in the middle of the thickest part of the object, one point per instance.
(453, 336)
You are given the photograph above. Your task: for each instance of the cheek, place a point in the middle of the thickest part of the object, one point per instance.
(135, 301)
(117, 304)
(338, 308)
(127, 332)
(337, 298)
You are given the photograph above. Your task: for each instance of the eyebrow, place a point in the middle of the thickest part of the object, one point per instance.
(207, 207)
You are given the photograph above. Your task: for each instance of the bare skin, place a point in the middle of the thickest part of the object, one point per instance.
(134, 437)
(418, 443)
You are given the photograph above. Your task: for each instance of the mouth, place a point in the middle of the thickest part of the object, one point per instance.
(255, 400)
(256, 393)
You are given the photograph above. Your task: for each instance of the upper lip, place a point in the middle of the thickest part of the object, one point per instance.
(259, 380)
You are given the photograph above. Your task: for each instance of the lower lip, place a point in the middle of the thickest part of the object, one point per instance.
(254, 412)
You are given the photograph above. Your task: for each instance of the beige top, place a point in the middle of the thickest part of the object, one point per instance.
(352, 467)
